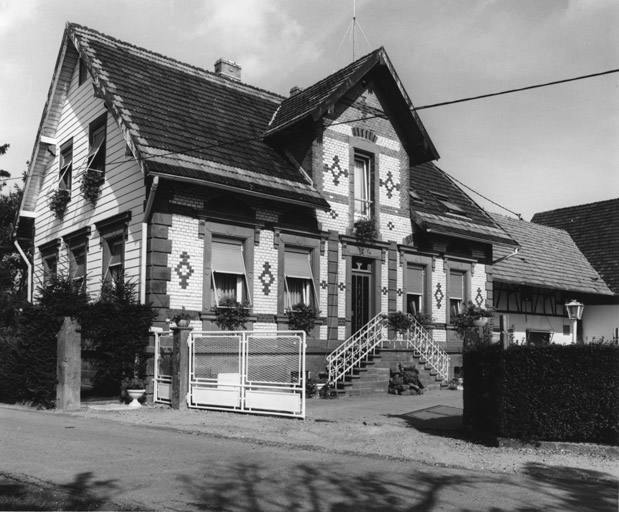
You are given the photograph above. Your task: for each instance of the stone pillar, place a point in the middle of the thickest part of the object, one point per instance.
(69, 365)
(180, 367)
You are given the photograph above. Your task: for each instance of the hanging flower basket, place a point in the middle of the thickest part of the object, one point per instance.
(92, 180)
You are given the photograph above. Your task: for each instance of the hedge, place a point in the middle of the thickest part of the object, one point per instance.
(551, 393)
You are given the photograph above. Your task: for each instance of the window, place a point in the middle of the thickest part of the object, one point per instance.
(113, 233)
(49, 258)
(299, 281)
(77, 262)
(66, 166)
(229, 276)
(362, 185)
(114, 259)
(415, 279)
(96, 152)
(456, 292)
(451, 207)
(82, 72)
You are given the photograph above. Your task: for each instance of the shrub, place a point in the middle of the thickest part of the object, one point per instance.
(230, 314)
(553, 393)
(302, 318)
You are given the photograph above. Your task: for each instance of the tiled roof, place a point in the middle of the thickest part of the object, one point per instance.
(304, 103)
(438, 205)
(547, 258)
(312, 103)
(595, 229)
(190, 123)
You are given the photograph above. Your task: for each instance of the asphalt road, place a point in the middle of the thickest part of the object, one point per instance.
(163, 469)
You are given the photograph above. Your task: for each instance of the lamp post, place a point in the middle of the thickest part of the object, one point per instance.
(574, 313)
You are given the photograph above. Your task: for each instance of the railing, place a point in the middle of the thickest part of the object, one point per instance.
(358, 348)
(349, 355)
(422, 342)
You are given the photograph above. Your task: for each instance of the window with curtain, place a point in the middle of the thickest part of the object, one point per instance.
(362, 185)
(299, 281)
(229, 276)
(415, 278)
(456, 292)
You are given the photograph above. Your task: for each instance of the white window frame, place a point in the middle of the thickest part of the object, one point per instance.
(362, 185)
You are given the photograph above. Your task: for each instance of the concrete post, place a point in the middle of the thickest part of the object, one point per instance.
(69, 365)
(180, 367)
(504, 327)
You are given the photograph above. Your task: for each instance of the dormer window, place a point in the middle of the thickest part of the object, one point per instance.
(66, 166)
(451, 207)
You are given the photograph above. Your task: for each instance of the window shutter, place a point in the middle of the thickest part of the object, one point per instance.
(456, 285)
(296, 264)
(414, 280)
(227, 258)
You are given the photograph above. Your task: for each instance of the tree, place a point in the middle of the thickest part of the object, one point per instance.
(13, 272)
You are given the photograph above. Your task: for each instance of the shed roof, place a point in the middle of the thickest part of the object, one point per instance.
(547, 258)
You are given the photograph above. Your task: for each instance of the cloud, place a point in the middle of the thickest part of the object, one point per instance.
(14, 13)
(258, 35)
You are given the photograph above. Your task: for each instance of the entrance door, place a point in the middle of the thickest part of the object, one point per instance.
(362, 292)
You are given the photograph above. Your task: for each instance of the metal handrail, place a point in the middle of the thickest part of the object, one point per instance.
(349, 355)
(420, 340)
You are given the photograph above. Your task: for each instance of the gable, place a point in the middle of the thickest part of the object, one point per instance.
(310, 105)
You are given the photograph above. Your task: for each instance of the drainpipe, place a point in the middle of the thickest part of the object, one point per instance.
(29, 265)
(147, 210)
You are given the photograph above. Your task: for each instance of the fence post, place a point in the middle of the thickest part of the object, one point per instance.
(504, 327)
(68, 365)
(180, 367)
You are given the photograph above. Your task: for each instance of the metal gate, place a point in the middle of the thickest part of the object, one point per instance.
(254, 372)
(162, 379)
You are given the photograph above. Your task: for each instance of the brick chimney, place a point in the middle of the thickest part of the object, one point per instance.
(228, 68)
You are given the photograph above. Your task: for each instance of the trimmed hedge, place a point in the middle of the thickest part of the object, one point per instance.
(552, 393)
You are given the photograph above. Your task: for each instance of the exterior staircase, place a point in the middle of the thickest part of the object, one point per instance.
(361, 365)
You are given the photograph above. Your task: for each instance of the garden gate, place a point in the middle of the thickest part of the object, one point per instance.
(162, 378)
(255, 372)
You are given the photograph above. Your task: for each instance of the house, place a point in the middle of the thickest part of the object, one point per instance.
(594, 227)
(531, 286)
(198, 186)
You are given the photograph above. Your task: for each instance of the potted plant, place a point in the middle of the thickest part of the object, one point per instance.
(398, 321)
(181, 319)
(135, 388)
(472, 325)
(58, 201)
(231, 314)
(302, 318)
(365, 231)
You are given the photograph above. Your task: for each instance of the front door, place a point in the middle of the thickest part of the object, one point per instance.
(362, 293)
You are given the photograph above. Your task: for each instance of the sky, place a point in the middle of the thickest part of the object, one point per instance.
(527, 152)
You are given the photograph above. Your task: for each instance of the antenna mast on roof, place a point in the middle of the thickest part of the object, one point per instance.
(352, 29)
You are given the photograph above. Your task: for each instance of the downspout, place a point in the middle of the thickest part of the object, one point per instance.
(29, 265)
(516, 251)
(147, 211)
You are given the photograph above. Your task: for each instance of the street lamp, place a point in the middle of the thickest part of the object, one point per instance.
(574, 313)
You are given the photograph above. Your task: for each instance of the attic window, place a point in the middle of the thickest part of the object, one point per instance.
(452, 207)
(83, 72)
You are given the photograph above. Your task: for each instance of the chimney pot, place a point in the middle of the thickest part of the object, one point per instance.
(228, 68)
